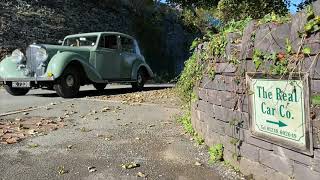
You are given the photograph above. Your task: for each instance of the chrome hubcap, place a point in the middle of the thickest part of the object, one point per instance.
(139, 79)
(70, 80)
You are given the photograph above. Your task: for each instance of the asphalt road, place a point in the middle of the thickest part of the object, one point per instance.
(98, 137)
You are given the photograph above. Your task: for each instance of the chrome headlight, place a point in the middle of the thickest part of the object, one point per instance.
(18, 57)
(41, 55)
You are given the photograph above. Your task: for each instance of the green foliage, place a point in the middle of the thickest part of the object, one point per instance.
(313, 24)
(185, 120)
(191, 75)
(316, 100)
(289, 49)
(239, 9)
(304, 3)
(306, 50)
(194, 3)
(199, 62)
(278, 62)
(216, 153)
(257, 58)
(195, 44)
(275, 18)
(198, 139)
(198, 19)
(236, 26)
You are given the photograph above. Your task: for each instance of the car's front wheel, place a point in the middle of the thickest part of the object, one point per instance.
(141, 79)
(16, 91)
(68, 85)
(100, 86)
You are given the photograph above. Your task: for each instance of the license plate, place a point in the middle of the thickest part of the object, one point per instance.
(21, 84)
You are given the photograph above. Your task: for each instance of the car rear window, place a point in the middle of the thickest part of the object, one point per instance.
(127, 45)
(109, 42)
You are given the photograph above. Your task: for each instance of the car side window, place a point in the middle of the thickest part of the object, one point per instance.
(127, 45)
(109, 42)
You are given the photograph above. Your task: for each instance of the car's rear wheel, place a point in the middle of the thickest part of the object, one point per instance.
(141, 79)
(100, 86)
(16, 91)
(68, 85)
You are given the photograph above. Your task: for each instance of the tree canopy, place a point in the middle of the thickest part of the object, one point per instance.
(194, 3)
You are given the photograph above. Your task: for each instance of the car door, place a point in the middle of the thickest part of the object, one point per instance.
(128, 56)
(108, 57)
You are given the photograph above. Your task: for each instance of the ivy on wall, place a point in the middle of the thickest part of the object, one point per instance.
(212, 47)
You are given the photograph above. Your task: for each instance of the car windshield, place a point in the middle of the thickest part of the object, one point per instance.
(81, 41)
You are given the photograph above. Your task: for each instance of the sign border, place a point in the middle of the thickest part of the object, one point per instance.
(308, 148)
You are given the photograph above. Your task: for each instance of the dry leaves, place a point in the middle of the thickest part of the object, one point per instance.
(14, 131)
(164, 96)
(130, 165)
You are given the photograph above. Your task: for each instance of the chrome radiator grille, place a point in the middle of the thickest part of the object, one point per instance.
(34, 65)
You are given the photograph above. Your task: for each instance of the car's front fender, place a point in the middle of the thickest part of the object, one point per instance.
(60, 61)
(9, 69)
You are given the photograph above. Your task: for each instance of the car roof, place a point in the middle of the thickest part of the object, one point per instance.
(100, 33)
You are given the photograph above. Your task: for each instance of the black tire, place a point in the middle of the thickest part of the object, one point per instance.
(16, 91)
(68, 85)
(141, 79)
(100, 86)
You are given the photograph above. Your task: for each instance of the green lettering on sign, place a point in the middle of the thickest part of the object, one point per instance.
(278, 109)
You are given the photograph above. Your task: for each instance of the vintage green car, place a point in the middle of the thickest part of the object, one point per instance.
(90, 58)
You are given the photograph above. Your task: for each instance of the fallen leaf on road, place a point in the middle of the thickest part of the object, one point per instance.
(18, 119)
(62, 170)
(109, 138)
(140, 174)
(39, 124)
(12, 140)
(48, 108)
(32, 132)
(83, 129)
(106, 109)
(33, 145)
(92, 169)
(130, 165)
(100, 135)
(94, 111)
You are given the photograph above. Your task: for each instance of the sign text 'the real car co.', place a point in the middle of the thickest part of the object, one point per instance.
(279, 109)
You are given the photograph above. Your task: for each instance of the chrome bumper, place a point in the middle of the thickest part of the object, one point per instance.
(31, 79)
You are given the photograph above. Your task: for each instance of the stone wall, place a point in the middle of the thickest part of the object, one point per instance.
(23, 22)
(223, 100)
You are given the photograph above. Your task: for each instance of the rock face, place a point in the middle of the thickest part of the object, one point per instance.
(23, 22)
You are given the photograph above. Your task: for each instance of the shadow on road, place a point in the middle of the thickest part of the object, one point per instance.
(106, 92)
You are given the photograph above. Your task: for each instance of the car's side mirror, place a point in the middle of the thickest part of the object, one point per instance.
(60, 41)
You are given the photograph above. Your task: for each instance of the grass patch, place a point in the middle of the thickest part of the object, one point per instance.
(315, 100)
(185, 120)
(216, 153)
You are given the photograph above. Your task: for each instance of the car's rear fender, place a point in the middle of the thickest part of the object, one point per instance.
(143, 66)
(60, 61)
